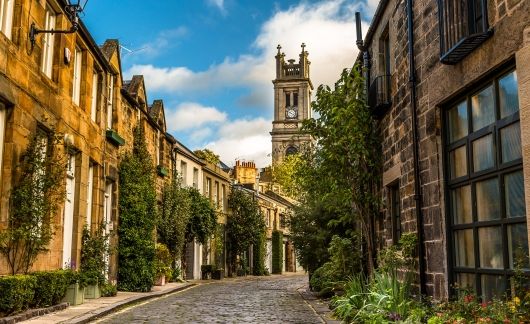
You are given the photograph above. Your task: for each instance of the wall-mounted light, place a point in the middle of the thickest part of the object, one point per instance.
(72, 10)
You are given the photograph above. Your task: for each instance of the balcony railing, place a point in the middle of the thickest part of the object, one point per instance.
(379, 95)
(463, 27)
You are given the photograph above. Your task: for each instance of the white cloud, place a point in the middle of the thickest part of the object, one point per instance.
(164, 40)
(219, 4)
(200, 134)
(190, 115)
(244, 139)
(327, 27)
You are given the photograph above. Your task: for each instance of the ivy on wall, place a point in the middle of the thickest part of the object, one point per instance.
(259, 252)
(136, 230)
(277, 252)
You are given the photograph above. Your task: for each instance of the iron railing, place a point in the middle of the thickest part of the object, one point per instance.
(379, 98)
(463, 27)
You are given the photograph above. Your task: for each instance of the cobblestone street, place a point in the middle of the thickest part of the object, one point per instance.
(272, 299)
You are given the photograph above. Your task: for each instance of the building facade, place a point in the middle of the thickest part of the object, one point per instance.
(448, 82)
(292, 104)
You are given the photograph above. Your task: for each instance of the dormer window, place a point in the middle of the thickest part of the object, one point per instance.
(463, 27)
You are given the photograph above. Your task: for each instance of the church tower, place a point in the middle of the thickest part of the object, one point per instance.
(292, 104)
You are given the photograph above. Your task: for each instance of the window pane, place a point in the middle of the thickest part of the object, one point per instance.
(490, 247)
(518, 245)
(466, 281)
(462, 205)
(508, 98)
(457, 117)
(483, 157)
(488, 200)
(458, 162)
(483, 108)
(493, 286)
(511, 143)
(464, 250)
(514, 194)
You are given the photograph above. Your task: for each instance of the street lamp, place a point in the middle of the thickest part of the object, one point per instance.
(72, 10)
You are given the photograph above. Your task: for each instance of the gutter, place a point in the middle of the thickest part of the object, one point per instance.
(415, 151)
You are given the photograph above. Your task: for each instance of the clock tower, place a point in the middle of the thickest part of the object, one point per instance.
(292, 104)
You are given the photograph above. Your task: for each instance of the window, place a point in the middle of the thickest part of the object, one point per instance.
(90, 190)
(485, 186)
(78, 61)
(295, 99)
(6, 17)
(195, 178)
(268, 218)
(161, 150)
(463, 27)
(287, 99)
(94, 97)
(3, 115)
(208, 188)
(216, 194)
(395, 212)
(223, 195)
(110, 101)
(48, 41)
(291, 150)
(184, 172)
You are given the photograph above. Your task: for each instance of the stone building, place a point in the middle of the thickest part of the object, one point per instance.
(274, 208)
(292, 104)
(448, 82)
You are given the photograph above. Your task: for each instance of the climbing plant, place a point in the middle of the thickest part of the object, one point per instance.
(203, 219)
(36, 197)
(136, 230)
(259, 252)
(277, 252)
(94, 248)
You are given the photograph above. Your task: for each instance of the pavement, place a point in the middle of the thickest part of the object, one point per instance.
(271, 299)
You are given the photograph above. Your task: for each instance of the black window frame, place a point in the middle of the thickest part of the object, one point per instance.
(499, 171)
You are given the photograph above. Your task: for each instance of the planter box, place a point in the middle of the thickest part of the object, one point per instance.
(162, 171)
(92, 292)
(115, 138)
(218, 274)
(160, 281)
(74, 295)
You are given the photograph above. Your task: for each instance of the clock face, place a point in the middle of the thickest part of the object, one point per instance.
(292, 113)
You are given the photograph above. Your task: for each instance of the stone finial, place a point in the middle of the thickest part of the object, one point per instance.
(279, 47)
(303, 47)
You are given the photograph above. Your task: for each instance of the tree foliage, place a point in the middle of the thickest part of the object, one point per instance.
(173, 217)
(137, 204)
(337, 178)
(207, 155)
(38, 192)
(203, 219)
(94, 249)
(245, 225)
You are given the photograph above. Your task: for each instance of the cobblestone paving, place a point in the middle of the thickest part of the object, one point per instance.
(247, 300)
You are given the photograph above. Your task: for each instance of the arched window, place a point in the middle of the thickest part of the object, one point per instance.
(291, 150)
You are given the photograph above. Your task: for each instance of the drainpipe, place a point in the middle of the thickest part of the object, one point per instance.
(417, 188)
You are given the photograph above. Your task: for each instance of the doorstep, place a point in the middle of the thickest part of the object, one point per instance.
(96, 308)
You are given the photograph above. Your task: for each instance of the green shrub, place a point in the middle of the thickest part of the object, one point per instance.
(51, 286)
(259, 248)
(94, 248)
(17, 293)
(175, 274)
(163, 261)
(277, 252)
(108, 290)
(324, 278)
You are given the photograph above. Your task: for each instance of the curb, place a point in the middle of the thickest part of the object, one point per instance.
(321, 309)
(29, 314)
(98, 313)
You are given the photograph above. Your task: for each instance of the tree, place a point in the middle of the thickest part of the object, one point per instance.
(338, 180)
(173, 217)
(245, 225)
(208, 155)
(38, 192)
(203, 219)
(137, 204)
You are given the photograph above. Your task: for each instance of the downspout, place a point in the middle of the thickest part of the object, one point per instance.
(417, 188)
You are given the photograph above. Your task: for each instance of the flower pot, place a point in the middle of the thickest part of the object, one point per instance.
(160, 280)
(218, 274)
(75, 295)
(92, 292)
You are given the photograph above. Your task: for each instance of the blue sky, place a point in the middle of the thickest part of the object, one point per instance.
(212, 61)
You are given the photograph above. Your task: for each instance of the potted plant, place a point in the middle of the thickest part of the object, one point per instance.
(162, 265)
(93, 281)
(218, 274)
(94, 248)
(206, 271)
(75, 293)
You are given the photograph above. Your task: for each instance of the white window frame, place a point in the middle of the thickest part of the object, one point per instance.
(6, 17)
(48, 41)
(216, 194)
(110, 101)
(183, 172)
(89, 199)
(94, 103)
(208, 187)
(76, 80)
(3, 117)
